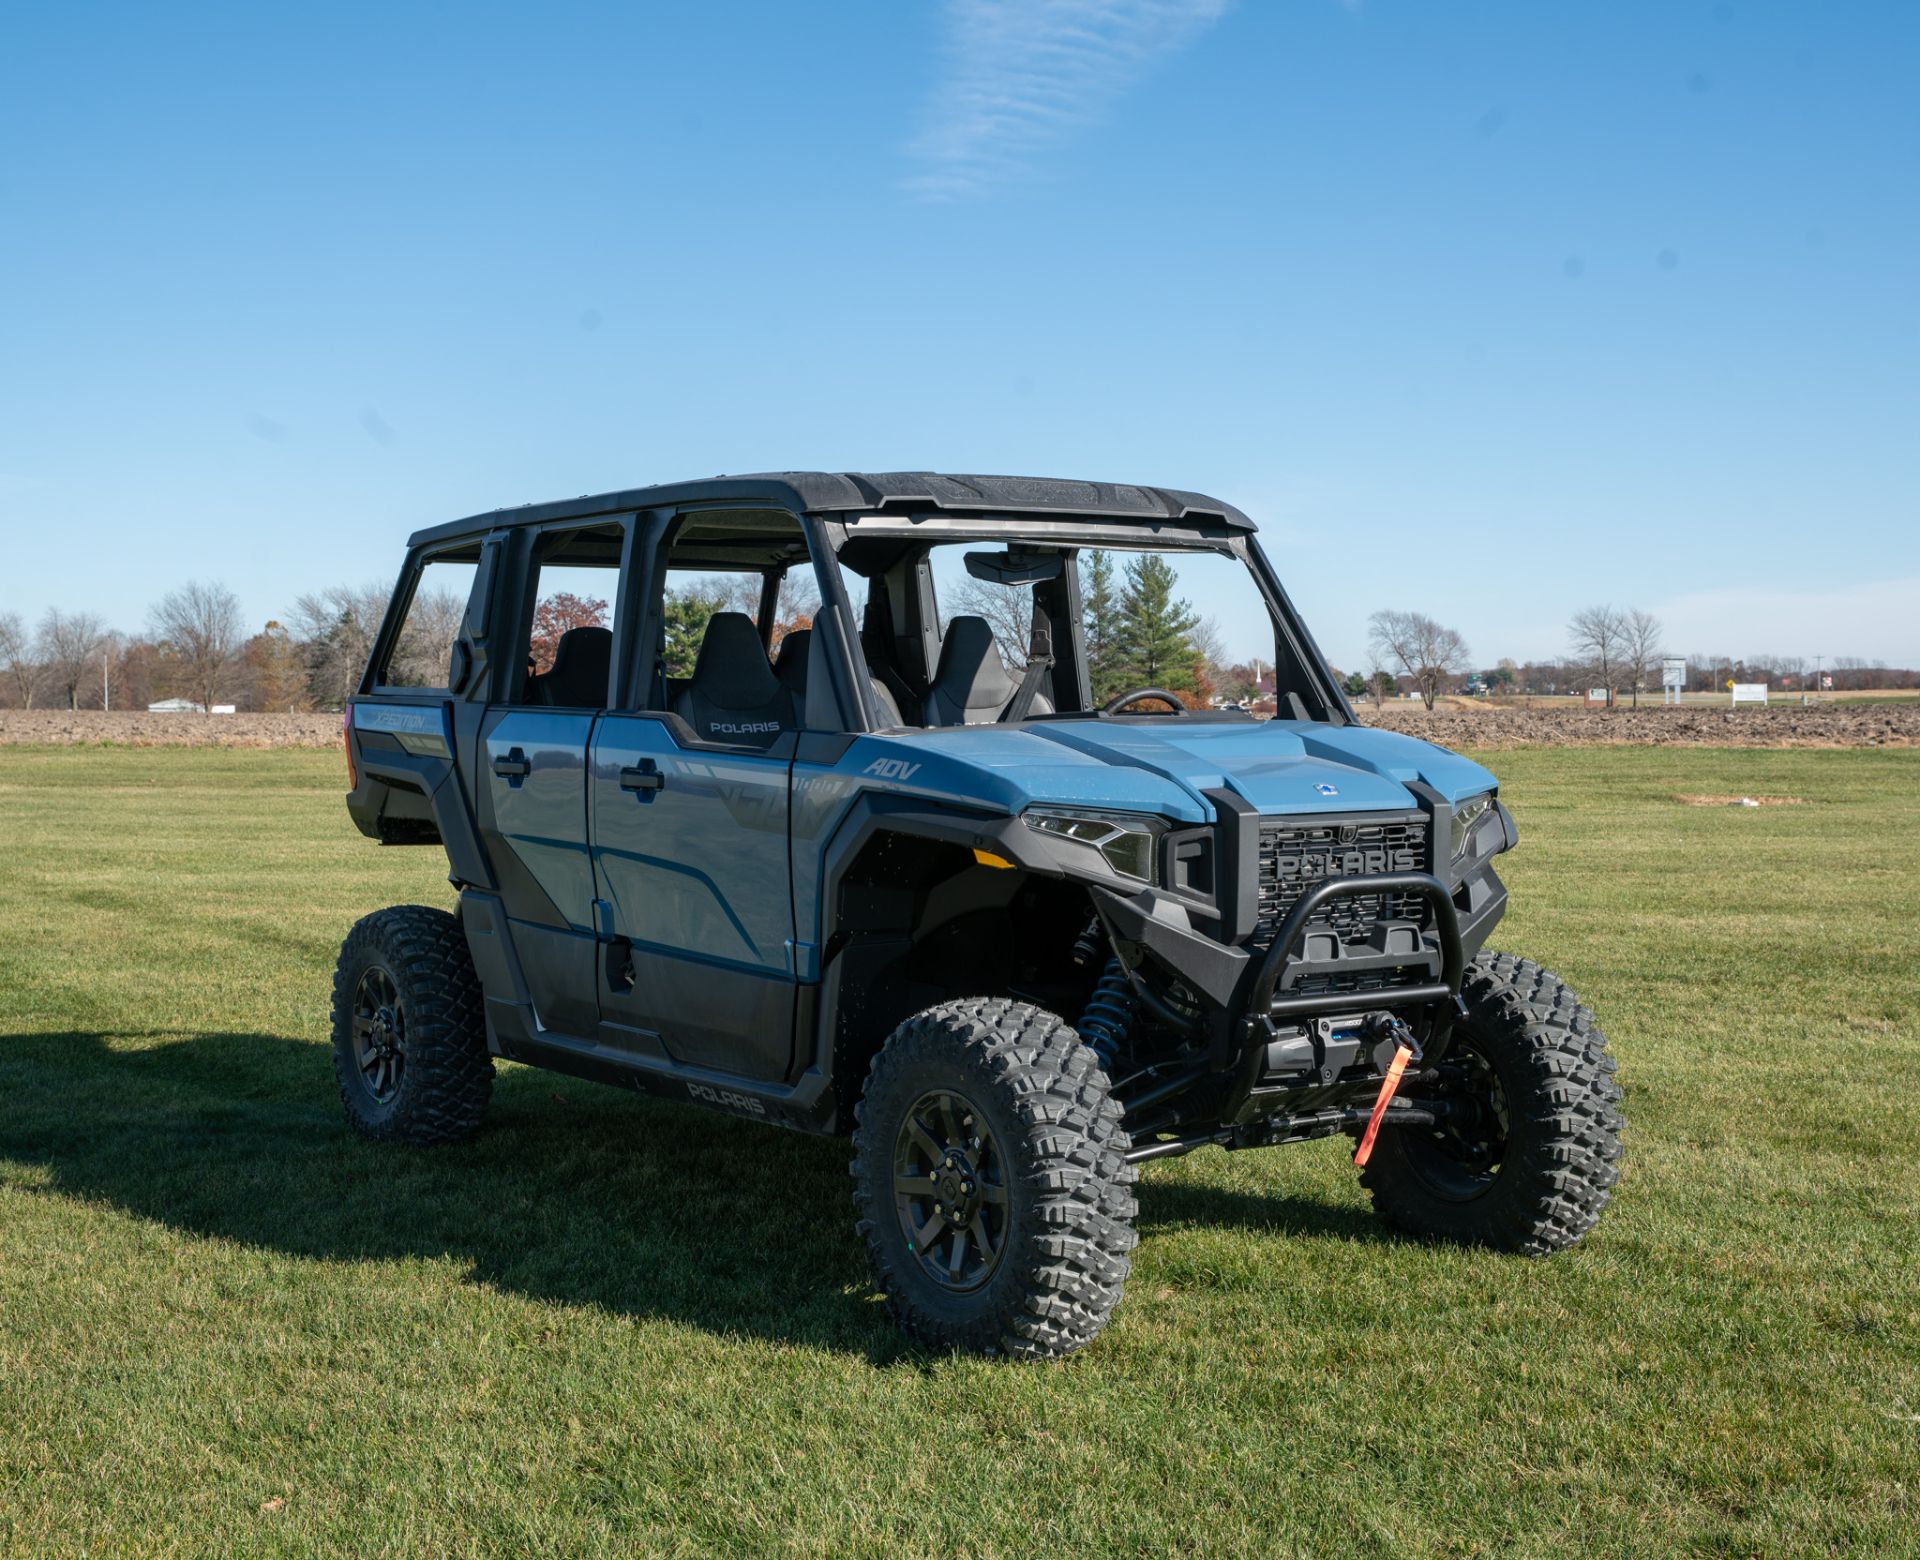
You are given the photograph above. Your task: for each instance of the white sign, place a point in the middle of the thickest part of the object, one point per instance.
(1749, 693)
(1673, 679)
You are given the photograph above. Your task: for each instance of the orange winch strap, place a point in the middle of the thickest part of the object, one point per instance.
(1401, 1057)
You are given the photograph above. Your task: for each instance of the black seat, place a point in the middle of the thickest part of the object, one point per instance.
(577, 680)
(972, 685)
(790, 668)
(790, 662)
(733, 695)
(886, 704)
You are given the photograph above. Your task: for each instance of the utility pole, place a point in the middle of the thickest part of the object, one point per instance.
(106, 695)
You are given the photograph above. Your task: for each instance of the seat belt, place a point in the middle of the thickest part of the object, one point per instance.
(1039, 663)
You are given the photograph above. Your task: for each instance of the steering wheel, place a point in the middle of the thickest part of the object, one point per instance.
(1115, 706)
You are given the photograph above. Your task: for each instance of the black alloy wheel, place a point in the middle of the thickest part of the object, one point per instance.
(1527, 1152)
(409, 1029)
(991, 1181)
(1460, 1158)
(379, 1033)
(950, 1190)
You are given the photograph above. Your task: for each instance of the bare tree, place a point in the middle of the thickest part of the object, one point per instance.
(1640, 647)
(1211, 647)
(1598, 637)
(795, 606)
(423, 655)
(1008, 610)
(201, 638)
(1429, 653)
(337, 626)
(68, 645)
(16, 659)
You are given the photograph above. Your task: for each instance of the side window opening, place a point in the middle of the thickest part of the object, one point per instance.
(421, 655)
(693, 597)
(737, 599)
(566, 660)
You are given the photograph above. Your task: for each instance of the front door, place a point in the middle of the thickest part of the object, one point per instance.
(690, 858)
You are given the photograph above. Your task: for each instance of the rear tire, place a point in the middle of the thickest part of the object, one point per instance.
(987, 1129)
(409, 1036)
(1530, 1160)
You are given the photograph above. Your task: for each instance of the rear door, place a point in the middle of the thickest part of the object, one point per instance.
(532, 758)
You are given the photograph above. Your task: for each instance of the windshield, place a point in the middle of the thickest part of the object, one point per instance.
(1191, 622)
(957, 628)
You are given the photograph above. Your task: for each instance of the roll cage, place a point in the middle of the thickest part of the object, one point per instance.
(882, 527)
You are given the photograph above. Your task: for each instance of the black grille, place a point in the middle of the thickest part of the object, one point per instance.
(1296, 855)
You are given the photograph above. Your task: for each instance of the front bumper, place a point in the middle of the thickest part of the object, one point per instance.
(1247, 981)
(1270, 996)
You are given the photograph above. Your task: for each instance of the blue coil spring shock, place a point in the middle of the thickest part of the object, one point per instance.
(1109, 1015)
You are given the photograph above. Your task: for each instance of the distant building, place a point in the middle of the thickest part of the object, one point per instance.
(187, 707)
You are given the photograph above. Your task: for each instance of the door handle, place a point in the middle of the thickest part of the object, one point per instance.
(643, 778)
(513, 766)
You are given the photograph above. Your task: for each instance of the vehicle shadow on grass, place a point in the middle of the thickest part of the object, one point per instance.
(573, 1193)
(1169, 1206)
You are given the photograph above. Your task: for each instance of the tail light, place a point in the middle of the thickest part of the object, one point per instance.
(346, 737)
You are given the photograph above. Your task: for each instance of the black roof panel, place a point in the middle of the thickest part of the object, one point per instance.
(883, 492)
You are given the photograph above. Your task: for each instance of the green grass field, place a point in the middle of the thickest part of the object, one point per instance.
(611, 1326)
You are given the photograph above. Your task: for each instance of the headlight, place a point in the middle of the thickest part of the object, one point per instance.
(1466, 817)
(1126, 840)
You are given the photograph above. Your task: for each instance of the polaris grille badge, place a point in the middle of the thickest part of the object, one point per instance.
(1327, 790)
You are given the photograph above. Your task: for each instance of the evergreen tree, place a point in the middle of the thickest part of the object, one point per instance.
(689, 610)
(1100, 614)
(1156, 646)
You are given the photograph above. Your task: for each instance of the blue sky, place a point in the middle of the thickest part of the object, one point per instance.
(1490, 310)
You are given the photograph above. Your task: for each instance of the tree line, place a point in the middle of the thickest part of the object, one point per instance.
(1617, 651)
(196, 646)
(1139, 632)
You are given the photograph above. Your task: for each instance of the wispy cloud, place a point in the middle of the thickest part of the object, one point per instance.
(1021, 75)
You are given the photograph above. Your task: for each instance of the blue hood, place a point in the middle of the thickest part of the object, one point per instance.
(1279, 766)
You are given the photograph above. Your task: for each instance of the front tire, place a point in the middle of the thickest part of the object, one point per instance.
(991, 1181)
(1528, 1157)
(409, 1037)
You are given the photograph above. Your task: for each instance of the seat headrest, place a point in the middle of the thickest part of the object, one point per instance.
(971, 676)
(790, 665)
(732, 670)
(969, 641)
(578, 676)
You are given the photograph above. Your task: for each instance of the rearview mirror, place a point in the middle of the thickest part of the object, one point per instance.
(1015, 568)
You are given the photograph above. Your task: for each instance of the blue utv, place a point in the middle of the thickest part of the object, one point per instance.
(889, 805)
